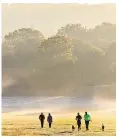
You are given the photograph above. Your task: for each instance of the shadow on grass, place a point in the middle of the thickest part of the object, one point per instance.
(44, 134)
(29, 128)
(64, 132)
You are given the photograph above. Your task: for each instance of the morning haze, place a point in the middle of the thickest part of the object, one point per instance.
(78, 55)
(40, 16)
(58, 59)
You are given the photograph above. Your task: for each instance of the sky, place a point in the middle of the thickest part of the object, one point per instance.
(48, 18)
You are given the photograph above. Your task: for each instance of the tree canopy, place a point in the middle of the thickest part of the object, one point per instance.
(74, 57)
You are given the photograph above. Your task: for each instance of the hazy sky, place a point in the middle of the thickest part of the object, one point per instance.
(48, 18)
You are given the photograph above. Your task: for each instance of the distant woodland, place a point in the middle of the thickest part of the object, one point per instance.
(59, 65)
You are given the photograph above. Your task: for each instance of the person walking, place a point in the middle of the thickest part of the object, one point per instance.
(41, 118)
(87, 118)
(49, 119)
(102, 127)
(78, 119)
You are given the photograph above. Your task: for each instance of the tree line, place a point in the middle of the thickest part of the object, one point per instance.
(74, 57)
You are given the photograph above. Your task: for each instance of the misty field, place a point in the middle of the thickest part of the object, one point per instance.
(29, 125)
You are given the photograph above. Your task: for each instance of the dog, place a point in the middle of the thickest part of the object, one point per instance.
(102, 127)
(73, 128)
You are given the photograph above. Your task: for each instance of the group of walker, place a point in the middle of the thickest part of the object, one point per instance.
(87, 119)
(42, 118)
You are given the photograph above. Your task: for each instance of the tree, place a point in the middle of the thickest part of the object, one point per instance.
(20, 47)
(25, 38)
(100, 36)
(58, 48)
(75, 31)
(64, 62)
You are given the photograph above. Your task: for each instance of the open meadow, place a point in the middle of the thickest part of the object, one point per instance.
(30, 125)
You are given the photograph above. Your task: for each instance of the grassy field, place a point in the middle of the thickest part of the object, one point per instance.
(29, 125)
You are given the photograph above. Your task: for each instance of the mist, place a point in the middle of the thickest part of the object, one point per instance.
(59, 50)
(40, 16)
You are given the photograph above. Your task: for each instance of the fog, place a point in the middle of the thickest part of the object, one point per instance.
(40, 16)
(57, 50)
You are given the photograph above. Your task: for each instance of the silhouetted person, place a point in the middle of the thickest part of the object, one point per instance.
(102, 127)
(87, 118)
(41, 118)
(49, 119)
(78, 118)
(73, 128)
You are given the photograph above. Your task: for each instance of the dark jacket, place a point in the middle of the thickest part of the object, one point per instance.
(41, 117)
(78, 118)
(49, 119)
